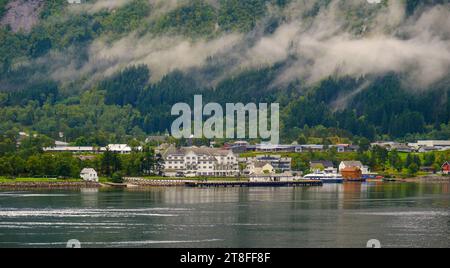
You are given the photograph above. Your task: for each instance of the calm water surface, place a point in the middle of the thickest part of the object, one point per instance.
(399, 215)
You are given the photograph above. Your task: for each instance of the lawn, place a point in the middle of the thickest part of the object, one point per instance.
(11, 180)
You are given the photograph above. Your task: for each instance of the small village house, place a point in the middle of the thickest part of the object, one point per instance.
(260, 168)
(446, 168)
(89, 174)
(322, 166)
(280, 164)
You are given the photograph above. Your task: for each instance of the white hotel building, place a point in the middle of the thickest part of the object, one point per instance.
(198, 162)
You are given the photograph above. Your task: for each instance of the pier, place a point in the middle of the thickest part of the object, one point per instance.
(300, 183)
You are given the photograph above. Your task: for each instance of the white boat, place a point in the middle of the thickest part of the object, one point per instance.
(325, 177)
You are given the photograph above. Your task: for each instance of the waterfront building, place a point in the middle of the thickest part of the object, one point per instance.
(260, 168)
(322, 166)
(351, 173)
(200, 162)
(89, 174)
(282, 177)
(279, 163)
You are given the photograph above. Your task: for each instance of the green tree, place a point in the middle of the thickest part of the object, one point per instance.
(429, 159)
(5, 167)
(117, 177)
(159, 164)
(236, 15)
(395, 160)
(413, 169)
(149, 160)
(34, 166)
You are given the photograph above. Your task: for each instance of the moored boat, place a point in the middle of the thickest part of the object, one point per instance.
(325, 177)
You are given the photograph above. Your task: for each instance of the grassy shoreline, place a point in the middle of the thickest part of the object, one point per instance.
(36, 183)
(37, 180)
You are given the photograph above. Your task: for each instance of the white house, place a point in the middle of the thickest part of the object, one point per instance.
(120, 148)
(322, 166)
(89, 174)
(279, 163)
(260, 168)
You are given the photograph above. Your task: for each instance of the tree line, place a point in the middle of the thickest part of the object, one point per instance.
(28, 160)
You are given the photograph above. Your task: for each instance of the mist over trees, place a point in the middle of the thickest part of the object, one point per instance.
(37, 94)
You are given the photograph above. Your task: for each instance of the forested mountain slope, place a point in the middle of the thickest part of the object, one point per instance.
(106, 71)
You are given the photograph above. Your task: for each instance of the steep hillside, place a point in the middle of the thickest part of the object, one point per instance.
(21, 15)
(338, 68)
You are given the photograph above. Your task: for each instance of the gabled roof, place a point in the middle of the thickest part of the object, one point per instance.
(352, 163)
(261, 164)
(88, 170)
(325, 164)
(204, 151)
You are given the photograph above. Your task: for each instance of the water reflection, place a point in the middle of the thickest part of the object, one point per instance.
(89, 197)
(335, 215)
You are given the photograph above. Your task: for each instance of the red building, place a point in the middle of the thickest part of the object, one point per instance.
(446, 168)
(351, 173)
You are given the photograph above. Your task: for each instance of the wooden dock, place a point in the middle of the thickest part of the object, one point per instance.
(301, 183)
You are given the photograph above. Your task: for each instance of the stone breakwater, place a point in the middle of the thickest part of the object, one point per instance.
(51, 185)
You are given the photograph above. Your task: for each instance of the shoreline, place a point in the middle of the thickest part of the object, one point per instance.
(143, 183)
(48, 185)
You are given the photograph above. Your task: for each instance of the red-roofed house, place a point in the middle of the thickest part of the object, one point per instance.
(446, 168)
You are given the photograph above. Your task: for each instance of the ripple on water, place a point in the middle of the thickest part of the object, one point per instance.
(90, 213)
(404, 213)
(124, 243)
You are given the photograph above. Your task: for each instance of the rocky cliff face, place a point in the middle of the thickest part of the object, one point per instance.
(22, 15)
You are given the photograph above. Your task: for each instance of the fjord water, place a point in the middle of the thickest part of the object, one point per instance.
(348, 215)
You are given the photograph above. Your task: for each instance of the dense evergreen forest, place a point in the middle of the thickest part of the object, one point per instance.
(134, 100)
